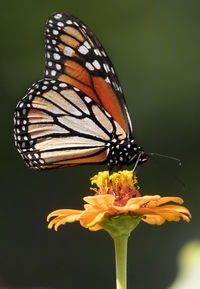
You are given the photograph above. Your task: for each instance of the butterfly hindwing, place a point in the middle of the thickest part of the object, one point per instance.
(75, 56)
(56, 124)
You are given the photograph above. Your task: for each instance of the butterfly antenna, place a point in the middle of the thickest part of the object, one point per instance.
(167, 157)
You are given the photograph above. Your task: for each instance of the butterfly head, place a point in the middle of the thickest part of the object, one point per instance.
(143, 157)
(126, 152)
(138, 155)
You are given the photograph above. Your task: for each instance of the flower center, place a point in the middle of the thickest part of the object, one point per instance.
(121, 185)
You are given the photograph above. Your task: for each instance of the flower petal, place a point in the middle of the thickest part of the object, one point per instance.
(95, 228)
(164, 200)
(153, 219)
(103, 202)
(142, 200)
(88, 216)
(180, 209)
(97, 220)
(63, 212)
(63, 216)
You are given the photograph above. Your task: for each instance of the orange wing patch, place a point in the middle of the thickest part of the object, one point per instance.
(81, 86)
(109, 100)
(77, 71)
(78, 76)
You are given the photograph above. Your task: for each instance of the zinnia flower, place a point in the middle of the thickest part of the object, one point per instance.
(118, 207)
(117, 195)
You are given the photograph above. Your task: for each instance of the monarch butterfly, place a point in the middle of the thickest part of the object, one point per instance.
(77, 114)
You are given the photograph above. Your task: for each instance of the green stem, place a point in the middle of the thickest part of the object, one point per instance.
(120, 228)
(121, 260)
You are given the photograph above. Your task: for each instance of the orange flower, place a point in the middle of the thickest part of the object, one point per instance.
(116, 196)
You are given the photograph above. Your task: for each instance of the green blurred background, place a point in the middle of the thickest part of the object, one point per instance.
(154, 46)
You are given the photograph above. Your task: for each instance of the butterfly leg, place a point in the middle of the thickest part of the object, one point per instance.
(136, 163)
(113, 191)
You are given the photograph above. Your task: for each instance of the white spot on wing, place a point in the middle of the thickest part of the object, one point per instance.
(55, 32)
(29, 156)
(96, 64)
(112, 69)
(53, 73)
(97, 52)
(69, 22)
(105, 67)
(58, 66)
(107, 79)
(87, 44)
(68, 51)
(87, 99)
(60, 24)
(108, 68)
(56, 56)
(83, 50)
(57, 16)
(63, 84)
(89, 66)
(107, 113)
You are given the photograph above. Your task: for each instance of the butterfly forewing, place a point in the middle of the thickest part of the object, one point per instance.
(56, 124)
(75, 56)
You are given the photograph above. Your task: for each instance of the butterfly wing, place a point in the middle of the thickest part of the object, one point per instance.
(75, 56)
(57, 125)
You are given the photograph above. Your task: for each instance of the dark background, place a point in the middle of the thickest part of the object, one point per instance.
(154, 46)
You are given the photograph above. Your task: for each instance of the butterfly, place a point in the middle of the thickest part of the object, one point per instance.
(77, 114)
